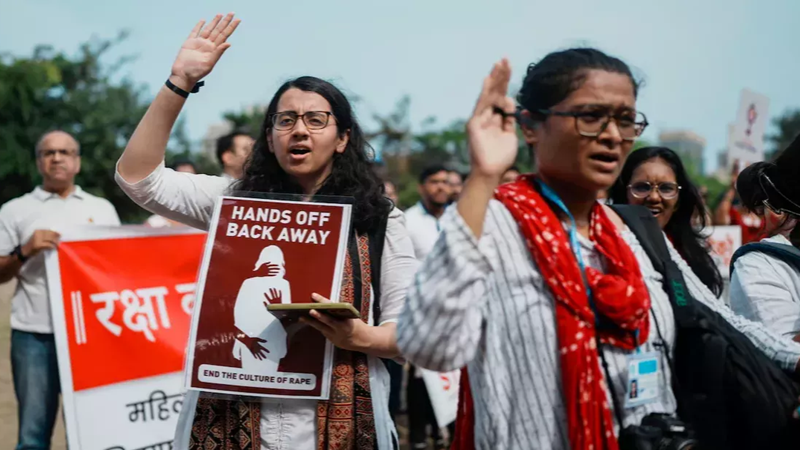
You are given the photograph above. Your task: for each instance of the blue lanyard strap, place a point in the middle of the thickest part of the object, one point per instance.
(551, 195)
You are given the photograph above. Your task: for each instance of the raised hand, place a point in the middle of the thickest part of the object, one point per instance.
(202, 49)
(491, 133)
(274, 296)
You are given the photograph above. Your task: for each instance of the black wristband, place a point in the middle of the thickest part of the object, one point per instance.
(18, 253)
(181, 92)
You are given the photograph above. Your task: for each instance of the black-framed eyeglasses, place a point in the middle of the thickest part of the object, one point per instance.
(49, 153)
(314, 120)
(630, 124)
(667, 190)
(795, 211)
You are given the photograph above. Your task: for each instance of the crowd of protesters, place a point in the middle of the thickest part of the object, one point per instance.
(532, 284)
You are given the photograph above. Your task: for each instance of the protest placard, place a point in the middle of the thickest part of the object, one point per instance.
(442, 390)
(121, 301)
(724, 240)
(746, 139)
(260, 252)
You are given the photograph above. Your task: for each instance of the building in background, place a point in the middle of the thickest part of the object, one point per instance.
(688, 145)
(723, 172)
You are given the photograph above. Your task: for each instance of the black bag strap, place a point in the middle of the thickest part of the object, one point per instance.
(786, 253)
(645, 226)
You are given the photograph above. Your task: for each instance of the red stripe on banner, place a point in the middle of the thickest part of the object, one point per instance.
(126, 306)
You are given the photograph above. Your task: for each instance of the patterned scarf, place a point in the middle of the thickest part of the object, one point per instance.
(345, 421)
(620, 297)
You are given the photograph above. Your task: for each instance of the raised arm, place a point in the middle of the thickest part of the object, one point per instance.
(492, 141)
(722, 214)
(198, 55)
(440, 327)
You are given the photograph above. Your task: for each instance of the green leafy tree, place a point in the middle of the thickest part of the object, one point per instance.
(249, 120)
(788, 128)
(79, 94)
(405, 152)
(181, 149)
(641, 143)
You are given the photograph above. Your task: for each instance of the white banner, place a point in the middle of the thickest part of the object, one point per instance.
(746, 142)
(443, 393)
(121, 301)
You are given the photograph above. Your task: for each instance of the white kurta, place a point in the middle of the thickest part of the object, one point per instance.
(285, 424)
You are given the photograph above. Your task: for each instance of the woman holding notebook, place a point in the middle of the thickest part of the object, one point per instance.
(310, 144)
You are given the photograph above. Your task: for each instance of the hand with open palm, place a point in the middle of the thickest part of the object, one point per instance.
(274, 296)
(201, 50)
(491, 134)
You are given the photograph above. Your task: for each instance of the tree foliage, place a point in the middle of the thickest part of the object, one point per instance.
(406, 150)
(788, 128)
(248, 121)
(80, 94)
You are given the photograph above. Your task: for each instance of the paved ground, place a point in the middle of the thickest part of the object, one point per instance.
(8, 403)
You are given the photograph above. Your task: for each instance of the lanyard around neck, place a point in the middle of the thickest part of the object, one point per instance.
(572, 231)
(551, 195)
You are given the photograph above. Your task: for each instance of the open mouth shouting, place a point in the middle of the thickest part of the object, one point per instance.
(606, 161)
(299, 152)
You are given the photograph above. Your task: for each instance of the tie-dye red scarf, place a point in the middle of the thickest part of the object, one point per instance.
(620, 297)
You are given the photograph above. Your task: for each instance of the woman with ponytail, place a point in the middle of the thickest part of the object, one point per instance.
(541, 292)
(310, 144)
(765, 286)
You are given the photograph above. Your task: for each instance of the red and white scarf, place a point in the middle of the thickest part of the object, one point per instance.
(619, 295)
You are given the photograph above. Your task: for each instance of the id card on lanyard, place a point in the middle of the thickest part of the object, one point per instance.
(643, 368)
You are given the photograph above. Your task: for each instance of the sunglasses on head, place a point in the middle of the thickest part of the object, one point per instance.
(793, 208)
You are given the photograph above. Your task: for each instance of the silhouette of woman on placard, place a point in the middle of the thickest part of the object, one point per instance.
(261, 339)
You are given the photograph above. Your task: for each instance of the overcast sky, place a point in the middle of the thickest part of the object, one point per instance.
(695, 56)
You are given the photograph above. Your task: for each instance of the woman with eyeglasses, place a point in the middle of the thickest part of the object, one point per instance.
(765, 287)
(654, 177)
(310, 144)
(504, 291)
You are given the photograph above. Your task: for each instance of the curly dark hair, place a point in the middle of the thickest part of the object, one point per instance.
(688, 239)
(351, 174)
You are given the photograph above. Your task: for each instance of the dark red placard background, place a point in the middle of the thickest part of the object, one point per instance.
(309, 269)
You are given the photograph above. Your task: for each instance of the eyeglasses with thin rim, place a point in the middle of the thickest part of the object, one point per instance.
(314, 120)
(667, 190)
(779, 211)
(592, 123)
(49, 153)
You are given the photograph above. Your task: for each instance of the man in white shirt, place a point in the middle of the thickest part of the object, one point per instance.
(422, 222)
(233, 149)
(422, 219)
(28, 227)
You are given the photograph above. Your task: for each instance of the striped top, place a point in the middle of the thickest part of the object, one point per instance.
(483, 303)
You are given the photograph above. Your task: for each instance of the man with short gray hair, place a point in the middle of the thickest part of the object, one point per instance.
(29, 226)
